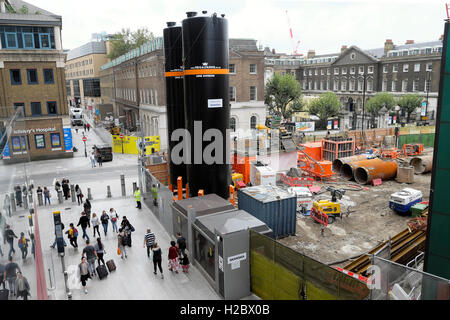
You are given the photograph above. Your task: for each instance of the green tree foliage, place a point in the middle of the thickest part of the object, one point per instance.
(127, 40)
(23, 10)
(377, 102)
(327, 105)
(283, 96)
(409, 103)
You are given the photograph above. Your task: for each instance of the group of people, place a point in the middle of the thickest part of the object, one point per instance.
(97, 157)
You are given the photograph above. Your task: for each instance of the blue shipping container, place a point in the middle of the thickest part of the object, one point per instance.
(278, 215)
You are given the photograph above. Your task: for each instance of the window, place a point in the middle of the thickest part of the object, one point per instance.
(151, 93)
(427, 86)
(231, 66)
(232, 93)
(384, 85)
(395, 67)
(310, 72)
(55, 140)
(15, 77)
(91, 87)
(316, 72)
(28, 40)
(328, 71)
(415, 85)
(328, 84)
(36, 109)
(252, 68)
(352, 70)
(344, 70)
(19, 104)
(385, 69)
(11, 40)
(336, 85)
(370, 69)
(253, 122)
(353, 56)
(310, 86)
(252, 93)
(405, 67)
(370, 85)
(51, 108)
(416, 67)
(44, 39)
(233, 124)
(404, 85)
(322, 72)
(343, 85)
(429, 66)
(32, 76)
(321, 85)
(156, 97)
(336, 70)
(394, 86)
(48, 76)
(361, 70)
(360, 84)
(39, 139)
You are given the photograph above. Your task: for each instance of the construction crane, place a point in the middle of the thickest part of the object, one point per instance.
(294, 48)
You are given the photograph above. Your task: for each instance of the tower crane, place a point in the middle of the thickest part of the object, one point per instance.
(294, 47)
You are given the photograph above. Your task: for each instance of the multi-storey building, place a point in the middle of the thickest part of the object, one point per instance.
(32, 76)
(135, 86)
(82, 72)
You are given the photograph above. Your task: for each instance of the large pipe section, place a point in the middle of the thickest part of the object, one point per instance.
(422, 164)
(348, 169)
(206, 101)
(338, 163)
(380, 169)
(173, 53)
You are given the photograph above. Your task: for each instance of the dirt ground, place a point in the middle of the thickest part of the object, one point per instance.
(371, 223)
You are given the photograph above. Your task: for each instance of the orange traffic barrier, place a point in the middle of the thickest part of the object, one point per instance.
(180, 188)
(232, 195)
(187, 190)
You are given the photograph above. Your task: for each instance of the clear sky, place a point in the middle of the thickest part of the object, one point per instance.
(320, 25)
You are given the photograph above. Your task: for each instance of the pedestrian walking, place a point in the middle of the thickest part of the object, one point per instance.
(87, 208)
(76, 130)
(104, 218)
(65, 188)
(18, 191)
(83, 271)
(47, 196)
(121, 243)
(155, 195)
(39, 192)
(10, 235)
(149, 241)
(92, 157)
(91, 255)
(11, 274)
(128, 229)
(173, 257)
(72, 234)
(33, 245)
(95, 224)
(185, 263)
(57, 186)
(88, 126)
(79, 194)
(157, 259)
(84, 126)
(137, 197)
(114, 217)
(23, 245)
(99, 159)
(181, 243)
(100, 249)
(22, 286)
(54, 242)
(84, 222)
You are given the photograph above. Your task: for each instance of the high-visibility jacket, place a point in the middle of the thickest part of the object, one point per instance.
(137, 195)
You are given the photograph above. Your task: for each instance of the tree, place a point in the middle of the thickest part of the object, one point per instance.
(409, 103)
(324, 107)
(283, 95)
(127, 40)
(379, 101)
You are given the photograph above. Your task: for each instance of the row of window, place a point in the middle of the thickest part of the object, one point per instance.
(21, 37)
(80, 73)
(415, 86)
(253, 68)
(253, 93)
(428, 67)
(20, 143)
(253, 122)
(410, 52)
(79, 64)
(32, 76)
(149, 96)
(147, 71)
(125, 74)
(36, 109)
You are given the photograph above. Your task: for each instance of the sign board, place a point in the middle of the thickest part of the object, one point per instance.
(423, 111)
(130, 144)
(336, 124)
(237, 257)
(68, 139)
(329, 125)
(424, 118)
(304, 126)
(84, 139)
(116, 122)
(215, 103)
(6, 154)
(121, 136)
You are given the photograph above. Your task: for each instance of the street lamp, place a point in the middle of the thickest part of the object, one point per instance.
(428, 91)
(363, 102)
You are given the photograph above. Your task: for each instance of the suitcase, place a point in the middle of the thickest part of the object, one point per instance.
(4, 294)
(102, 271)
(111, 265)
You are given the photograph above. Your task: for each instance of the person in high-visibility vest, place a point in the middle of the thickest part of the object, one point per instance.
(137, 197)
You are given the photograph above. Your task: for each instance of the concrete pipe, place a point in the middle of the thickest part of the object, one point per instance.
(384, 170)
(338, 163)
(348, 169)
(422, 164)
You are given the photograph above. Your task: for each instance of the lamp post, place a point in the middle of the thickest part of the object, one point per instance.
(428, 92)
(363, 102)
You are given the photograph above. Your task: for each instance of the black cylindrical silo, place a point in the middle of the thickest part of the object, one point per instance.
(206, 100)
(173, 53)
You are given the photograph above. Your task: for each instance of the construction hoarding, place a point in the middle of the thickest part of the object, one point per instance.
(130, 144)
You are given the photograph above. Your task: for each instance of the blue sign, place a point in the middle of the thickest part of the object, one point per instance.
(68, 139)
(424, 104)
(97, 112)
(6, 154)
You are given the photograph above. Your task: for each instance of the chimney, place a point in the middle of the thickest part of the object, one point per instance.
(409, 42)
(441, 37)
(311, 54)
(273, 51)
(343, 48)
(388, 45)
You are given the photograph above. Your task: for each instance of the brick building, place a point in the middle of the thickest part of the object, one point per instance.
(32, 76)
(135, 86)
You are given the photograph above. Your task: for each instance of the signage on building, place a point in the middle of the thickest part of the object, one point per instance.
(36, 130)
(304, 126)
(330, 123)
(6, 154)
(68, 139)
(423, 111)
(336, 124)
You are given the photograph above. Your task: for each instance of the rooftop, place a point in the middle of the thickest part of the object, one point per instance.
(94, 47)
(18, 10)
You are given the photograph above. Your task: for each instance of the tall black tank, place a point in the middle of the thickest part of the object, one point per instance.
(206, 98)
(173, 52)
